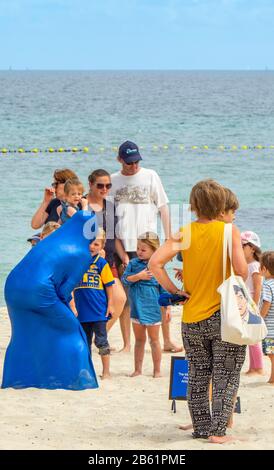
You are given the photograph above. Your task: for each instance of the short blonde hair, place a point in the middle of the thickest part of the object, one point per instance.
(150, 239)
(208, 199)
(73, 182)
(101, 235)
(48, 228)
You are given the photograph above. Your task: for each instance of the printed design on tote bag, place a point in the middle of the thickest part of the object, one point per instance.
(242, 302)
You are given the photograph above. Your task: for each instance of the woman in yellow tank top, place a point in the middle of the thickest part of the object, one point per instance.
(210, 358)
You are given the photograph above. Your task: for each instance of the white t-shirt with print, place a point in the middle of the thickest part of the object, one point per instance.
(138, 199)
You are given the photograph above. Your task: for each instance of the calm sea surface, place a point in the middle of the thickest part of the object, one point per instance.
(161, 111)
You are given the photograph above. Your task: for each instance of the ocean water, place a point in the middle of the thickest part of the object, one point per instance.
(161, 112)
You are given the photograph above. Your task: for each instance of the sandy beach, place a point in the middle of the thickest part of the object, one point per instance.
(124, 413)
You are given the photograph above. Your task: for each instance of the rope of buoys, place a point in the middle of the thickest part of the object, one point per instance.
(153, 148)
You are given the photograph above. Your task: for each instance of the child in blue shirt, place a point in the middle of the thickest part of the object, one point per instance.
(93, 299)
(145, 312)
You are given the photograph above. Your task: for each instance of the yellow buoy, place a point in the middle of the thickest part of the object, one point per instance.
(206, 147)
(155, 147)
(221, 147)
(35, 150)
(182, 147)
(259, 147)
(51, 150)
(85, 149)
(21, 150)
(194, 147)
(61, 149)
(4, 150)
(102, 149)
(115, 149)
(165, 147)
(74, 149)
(244, 147)
(234, 147)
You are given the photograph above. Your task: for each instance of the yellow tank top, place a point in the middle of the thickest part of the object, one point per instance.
(202, 269)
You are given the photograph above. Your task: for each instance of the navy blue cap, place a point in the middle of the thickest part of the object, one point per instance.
(129, 152)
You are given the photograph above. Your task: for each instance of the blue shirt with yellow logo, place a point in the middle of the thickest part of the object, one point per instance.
(90, 295)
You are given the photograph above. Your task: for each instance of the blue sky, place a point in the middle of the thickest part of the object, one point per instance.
(137, 34)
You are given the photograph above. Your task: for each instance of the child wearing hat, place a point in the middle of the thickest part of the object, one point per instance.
(34, 239)
(252, 250)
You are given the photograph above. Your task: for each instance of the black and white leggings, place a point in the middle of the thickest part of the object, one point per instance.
(210, 358)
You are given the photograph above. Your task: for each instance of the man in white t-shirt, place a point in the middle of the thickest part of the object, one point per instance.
(139, 197)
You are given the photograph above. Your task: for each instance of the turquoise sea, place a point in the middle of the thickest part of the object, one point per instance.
(166, 113)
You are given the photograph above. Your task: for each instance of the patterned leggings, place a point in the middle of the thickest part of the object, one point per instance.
(210, 358)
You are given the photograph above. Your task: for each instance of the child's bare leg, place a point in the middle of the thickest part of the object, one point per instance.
(153, 334)
(105, 362)
(139, 348)
(271, 379)
(119, 300)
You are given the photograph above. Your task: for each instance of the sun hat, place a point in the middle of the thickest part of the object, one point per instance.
(35, 237)
(250, 237)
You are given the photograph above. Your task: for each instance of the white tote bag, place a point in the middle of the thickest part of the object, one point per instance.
(241, 322)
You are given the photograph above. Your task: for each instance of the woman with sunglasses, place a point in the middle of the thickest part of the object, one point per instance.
(99, 186)
(47, 211)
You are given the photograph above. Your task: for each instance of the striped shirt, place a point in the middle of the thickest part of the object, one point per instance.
(268, 296)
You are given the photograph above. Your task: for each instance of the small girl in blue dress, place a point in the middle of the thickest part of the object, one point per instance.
(145, 312)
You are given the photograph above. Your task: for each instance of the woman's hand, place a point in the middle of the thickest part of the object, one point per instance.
(48, 195)
(183, 293)
(125, 259)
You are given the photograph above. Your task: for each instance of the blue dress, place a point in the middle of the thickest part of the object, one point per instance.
(64, 217)
(48, 347)
(143, 295)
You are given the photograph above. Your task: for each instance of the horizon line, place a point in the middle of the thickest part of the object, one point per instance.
(27, 69)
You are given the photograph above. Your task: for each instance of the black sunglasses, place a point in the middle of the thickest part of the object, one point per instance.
(102, 185)
(55, 183)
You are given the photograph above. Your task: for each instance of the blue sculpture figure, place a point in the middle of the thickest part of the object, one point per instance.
(48, 348)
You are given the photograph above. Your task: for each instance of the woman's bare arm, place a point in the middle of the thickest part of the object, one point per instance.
(238, 258)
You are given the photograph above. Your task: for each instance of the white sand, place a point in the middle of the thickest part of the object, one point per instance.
(124, 413)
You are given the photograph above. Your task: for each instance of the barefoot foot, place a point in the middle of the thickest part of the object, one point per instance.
(125, 349)
(157, 375)
(223, 439)
(173, 348)
(105, 376)
(135, 373)
(255, 372)
(186, 427)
